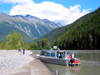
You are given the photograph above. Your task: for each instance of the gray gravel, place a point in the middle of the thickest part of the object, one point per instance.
(12, 59)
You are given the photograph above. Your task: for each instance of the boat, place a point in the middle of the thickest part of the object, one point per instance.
(57, 56)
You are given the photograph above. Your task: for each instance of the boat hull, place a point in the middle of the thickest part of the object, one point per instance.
(54, 60)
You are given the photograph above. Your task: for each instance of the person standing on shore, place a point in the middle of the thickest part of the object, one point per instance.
(18, 50)
(23, 51)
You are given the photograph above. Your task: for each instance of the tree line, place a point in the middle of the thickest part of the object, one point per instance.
(82, 34)
(14, 41)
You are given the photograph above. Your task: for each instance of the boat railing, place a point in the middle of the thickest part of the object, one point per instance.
(77, 59)
(55, 48)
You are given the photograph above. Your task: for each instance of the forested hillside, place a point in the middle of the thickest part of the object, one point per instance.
(82, 34)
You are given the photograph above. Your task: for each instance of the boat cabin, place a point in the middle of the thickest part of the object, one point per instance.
(59, 54)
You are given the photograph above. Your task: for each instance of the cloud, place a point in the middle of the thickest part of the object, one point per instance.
(17, 1)
(47, 10)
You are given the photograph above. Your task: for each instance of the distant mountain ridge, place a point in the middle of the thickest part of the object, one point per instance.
(53, 34)
(29, 26)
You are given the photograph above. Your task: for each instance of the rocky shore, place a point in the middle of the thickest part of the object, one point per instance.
(12, 59)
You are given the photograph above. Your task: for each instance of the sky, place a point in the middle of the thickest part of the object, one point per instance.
(58, 11)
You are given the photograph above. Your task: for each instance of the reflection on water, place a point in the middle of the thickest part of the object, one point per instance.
(90, 64)
(64, 70)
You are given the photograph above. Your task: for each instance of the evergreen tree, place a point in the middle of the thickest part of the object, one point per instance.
(82, 34)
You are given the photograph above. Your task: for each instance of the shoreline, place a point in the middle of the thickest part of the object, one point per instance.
(52, 71)
(29, 66)
(34, 67)
(12, 59)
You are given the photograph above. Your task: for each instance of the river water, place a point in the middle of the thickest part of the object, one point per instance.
(90, 64)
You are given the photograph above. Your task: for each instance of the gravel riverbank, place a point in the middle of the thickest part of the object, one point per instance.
(12, 59)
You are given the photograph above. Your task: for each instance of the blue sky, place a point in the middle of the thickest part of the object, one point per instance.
(85, 4)
(59, 11)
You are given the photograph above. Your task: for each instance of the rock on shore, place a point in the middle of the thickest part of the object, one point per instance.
(12, 59)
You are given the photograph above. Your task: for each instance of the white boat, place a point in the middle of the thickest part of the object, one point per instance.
(57, 56)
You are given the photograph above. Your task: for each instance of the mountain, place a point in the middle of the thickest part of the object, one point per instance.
(53, 34)
(84, 33)
(29, 26)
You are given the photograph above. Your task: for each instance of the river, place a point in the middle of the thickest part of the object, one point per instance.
(90, 64)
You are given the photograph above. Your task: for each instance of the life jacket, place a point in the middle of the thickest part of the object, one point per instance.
(69, 56)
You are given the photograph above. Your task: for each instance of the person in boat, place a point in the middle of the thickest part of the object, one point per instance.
(64, 55)
(69, 56)
(59, 55)
(72, 60)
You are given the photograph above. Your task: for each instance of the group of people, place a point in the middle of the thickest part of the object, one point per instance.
(21, 50)
(62, 55)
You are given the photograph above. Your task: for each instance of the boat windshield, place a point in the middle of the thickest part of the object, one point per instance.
(44, 53)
